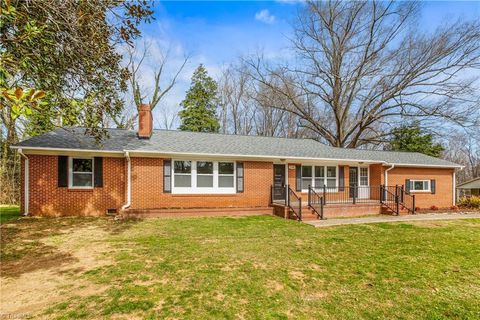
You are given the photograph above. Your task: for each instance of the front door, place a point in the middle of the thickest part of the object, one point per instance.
(353, 182)
(278, 182)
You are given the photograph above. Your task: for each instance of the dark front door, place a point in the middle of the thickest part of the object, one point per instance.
(353, 181)
(279, 182)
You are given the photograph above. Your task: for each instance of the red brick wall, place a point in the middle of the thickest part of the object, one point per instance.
(443, 197)
(47, 199)
(147, 188)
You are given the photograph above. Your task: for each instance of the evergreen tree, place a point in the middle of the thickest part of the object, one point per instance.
(412, 138)
(200, 104)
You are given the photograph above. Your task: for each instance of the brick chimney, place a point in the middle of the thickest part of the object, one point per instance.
(145, 122)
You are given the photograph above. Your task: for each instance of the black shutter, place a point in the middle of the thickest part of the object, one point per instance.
(341, 178)
(432, 186)
(240, 175)
(167, 176)
(98, 172)
(298, 177)
(62, 171)
(407, 186)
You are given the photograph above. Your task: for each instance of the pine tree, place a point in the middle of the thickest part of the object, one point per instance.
(200, 104)
(413, 138)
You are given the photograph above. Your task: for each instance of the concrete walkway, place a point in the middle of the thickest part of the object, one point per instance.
(385, 218)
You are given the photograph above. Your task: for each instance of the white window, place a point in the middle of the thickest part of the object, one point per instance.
(81, 173)
(319, 176)
(204, 174)
(226, 174)
(419, 185)
(182, 174)
(202, 177)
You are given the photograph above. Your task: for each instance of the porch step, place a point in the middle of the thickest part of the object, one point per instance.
(334, 210)
(388, 211)
(195, 212)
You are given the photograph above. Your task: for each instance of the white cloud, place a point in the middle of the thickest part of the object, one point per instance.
(265, 16)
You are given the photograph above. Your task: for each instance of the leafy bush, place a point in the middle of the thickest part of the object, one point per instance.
(471, 202)
(434, 208)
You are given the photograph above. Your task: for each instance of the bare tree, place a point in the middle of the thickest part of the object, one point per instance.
(235, 112)
(362, 66)
(464, 149)
(161, 85)
(250, 107)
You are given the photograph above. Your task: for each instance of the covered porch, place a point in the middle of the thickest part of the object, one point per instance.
(337, 190)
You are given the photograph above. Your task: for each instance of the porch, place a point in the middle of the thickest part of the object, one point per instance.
(353, 201)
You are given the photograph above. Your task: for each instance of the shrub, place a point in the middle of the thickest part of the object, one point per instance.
(433, 208)
(471, 202)
(455, 208)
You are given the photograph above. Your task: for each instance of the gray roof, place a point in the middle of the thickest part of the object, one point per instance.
(471, 184)
(172, 142)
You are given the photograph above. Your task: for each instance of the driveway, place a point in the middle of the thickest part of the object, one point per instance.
(385, 218)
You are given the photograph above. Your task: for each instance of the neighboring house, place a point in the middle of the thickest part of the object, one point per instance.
(65, 173)
(469, 188)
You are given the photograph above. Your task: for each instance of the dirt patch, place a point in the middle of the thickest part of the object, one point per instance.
(44, 263)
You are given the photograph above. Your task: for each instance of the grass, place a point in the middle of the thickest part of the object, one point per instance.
(262, 267)
(8, 213)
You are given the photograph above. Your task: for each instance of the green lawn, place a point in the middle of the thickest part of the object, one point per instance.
(253, 267)
(8, 213)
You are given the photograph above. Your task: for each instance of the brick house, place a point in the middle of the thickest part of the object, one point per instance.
(64, 172)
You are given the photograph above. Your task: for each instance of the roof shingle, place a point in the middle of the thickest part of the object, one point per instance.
(171, 142)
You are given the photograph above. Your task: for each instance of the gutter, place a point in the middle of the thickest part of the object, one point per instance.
(170, 154)
(26, 178)
(129, 182)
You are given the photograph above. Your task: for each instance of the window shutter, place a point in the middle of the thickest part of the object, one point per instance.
(341, 178)
(240, 175)
(298, 177)
(98, 172)
(167, 176)
(432, 186)
(407, 186)
(62, 171)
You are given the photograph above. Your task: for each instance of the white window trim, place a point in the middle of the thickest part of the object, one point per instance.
(70, 173)
(329, 189)
(412, 183)
(202, 190)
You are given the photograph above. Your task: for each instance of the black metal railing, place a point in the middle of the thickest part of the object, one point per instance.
(407, 200)
(315, 202)
(294, 202)
(394, 198)
(349, 195)
(390, 198)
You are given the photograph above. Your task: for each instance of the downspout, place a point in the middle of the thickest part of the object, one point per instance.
(386, 174)
(26, 178)
(454, 189)
(129, 182)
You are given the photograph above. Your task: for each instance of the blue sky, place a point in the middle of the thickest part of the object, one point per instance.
(216, 33)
